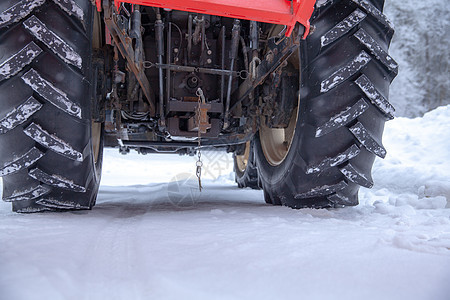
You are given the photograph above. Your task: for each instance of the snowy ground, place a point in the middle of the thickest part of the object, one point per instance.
(147, 239)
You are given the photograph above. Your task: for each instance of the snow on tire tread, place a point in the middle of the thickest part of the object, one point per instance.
(50, 93)
(376, 50)
(18, 61)
(72, 8)
(323, 190)
(345, 72)
(343, 118)
(342, 27)
(18, 11)
(56, 181)
(356, 176)
(22, 162)
(58, 204)
(375, 12)
(52, 142)
(348, 154)
(19, 115)
(53, 41)
(375, 97)
(28, 194)
(29, 210)
(339, 199)
(366, 139)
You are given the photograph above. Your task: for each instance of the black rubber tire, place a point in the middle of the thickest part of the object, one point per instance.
(46, 151)
(248, 178)
(344, 82)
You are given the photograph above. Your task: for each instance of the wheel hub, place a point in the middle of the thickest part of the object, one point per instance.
(276, 142)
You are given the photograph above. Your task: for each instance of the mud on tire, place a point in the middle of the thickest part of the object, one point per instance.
(344, 80)
(46, 152)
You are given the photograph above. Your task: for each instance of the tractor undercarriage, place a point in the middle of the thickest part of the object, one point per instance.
(162, 59)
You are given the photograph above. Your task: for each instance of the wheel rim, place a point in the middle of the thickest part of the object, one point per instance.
(96, 128)
(96, 140)
(276, 142)
(242, 160)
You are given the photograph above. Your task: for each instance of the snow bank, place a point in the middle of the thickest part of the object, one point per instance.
(416, 171)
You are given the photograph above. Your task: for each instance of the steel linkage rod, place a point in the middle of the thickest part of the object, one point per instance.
(159, 36)
(124, 44)
(235, 37)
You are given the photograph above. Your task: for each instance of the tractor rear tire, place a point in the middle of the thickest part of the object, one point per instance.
(345, 73)
(246, 174)
(50, 150)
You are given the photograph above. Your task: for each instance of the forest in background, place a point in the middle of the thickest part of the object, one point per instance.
(421, 47)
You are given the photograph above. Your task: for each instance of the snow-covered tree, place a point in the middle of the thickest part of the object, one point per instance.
(422, 49)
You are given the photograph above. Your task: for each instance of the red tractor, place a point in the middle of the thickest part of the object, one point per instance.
(297, 90)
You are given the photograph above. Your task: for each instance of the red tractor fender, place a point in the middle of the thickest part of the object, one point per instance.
(283, 12)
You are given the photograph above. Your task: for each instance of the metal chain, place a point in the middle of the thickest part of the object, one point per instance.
(199, 163)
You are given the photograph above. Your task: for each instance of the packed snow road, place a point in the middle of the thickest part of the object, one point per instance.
(147, 239)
